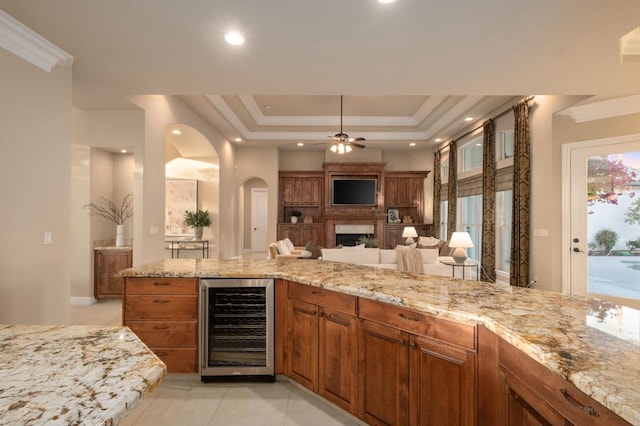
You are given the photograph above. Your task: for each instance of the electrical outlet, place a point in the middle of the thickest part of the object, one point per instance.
(48, 237)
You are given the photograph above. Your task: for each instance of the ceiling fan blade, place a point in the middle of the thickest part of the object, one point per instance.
(357, 145)
(356, 139)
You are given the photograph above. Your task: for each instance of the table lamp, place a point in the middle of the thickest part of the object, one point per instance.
(409, 232)
(460, 241)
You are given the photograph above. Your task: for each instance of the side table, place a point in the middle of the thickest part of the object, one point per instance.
(466, 264)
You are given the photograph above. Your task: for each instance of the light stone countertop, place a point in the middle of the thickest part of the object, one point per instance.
(67, 375)
(591, 343)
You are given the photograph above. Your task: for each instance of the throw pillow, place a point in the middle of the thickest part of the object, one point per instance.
(289, 244)
(283, 248)
(446, 250)
(428, 242)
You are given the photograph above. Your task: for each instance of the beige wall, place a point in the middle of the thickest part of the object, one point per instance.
(35, 164)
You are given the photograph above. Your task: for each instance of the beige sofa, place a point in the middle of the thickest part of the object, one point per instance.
(389, 259)
(284, 249)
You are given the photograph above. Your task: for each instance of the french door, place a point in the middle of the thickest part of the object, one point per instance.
(601, 228)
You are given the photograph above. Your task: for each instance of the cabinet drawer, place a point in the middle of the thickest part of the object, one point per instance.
(568, 400)
(178, 360)
(165, 333)
(161, 286)
(447, 331)
(327, 298)
(160, 307)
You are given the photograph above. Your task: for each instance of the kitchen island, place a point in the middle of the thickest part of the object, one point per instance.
(589, 343)
(64, 375)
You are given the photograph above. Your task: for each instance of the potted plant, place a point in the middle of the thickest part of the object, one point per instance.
(311, 250)
(197, 220)
(295, 215)
(368, 240)
(117, 214)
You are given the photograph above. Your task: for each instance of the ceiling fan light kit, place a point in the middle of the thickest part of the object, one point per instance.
(342, 142)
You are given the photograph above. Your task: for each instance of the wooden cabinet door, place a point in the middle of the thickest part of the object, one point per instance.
(442, 384)
(390, 192)
(302, 321)
(106, 264)
(383, 370)
(338, 358)
(289, 192)
(292, 232)
(313, 233)
(310, 191)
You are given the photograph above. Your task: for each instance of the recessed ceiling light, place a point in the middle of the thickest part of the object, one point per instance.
(234, 38)
(468, 119)
(124, 151)
(412, 144)
(176, 132)
(267, 107)
(386, 1)
(300, 144)
(438, 140)
(238, 139)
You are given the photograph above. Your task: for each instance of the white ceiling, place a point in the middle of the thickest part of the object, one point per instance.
(409, 70)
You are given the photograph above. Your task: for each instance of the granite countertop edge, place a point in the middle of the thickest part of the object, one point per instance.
(547, 326)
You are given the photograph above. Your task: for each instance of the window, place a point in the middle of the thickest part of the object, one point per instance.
(471, 221)
(504, 145)
(444, 206)
(503, 230)
(444, 169)
(471, 155)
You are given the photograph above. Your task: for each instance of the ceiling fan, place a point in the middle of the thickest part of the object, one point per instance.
(342, 143)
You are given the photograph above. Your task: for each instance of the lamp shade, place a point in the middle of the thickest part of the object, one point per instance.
(460, 239)
(409, 232)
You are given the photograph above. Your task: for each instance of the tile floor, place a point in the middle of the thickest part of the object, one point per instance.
(182, 399)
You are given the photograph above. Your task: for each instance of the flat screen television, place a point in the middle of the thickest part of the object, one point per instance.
(354, 192)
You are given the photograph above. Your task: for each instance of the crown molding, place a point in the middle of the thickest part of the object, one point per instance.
(630, 47)
(30, 46)
(604, 109)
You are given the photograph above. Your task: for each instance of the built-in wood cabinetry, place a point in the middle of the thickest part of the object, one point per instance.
(533, 395)
(301, 234)
(415, 368)
(323, 344)
(106, 262)
(310, 193)
(163, 312)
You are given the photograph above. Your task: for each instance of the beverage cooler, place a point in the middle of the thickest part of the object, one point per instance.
(236, 329)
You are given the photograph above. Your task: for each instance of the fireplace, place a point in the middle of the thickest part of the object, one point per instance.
(348, 235)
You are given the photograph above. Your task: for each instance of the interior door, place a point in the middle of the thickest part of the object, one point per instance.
(604, 208)
(259, 202)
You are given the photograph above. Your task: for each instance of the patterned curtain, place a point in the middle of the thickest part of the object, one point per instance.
(437, 188)
(488, 256)
(519, 268)
(452, 189)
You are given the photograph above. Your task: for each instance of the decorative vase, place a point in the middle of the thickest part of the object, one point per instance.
(197, 231)
(294, 219)
(120, 236)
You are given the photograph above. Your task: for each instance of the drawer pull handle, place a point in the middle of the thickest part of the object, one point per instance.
(161, 327)
(403, 316)
(161, 301)
(589, 410)
(318, 293)
(161, 284)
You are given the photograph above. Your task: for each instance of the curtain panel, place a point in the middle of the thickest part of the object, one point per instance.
(452, 188)
(488, 253)
(519, 268)
(437, 187)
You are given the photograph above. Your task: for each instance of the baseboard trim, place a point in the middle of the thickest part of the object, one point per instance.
(83, 301)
